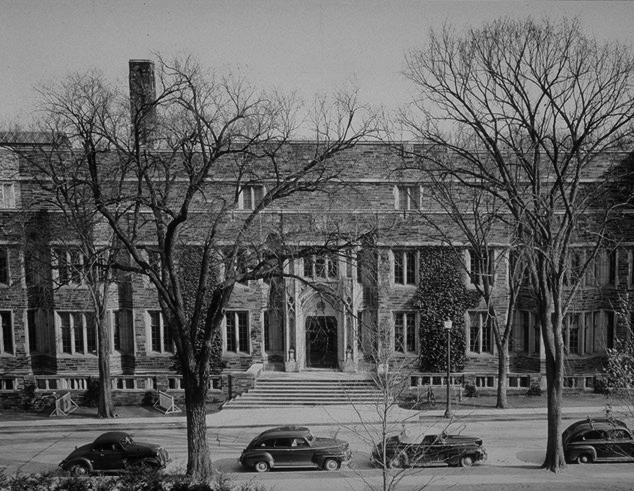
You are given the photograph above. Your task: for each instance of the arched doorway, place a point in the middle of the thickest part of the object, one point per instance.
(321, 342)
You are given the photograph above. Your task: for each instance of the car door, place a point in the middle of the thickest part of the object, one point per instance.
(281, 452)
(107, 457)
(427, 451)
(597, 439)
(301, 453)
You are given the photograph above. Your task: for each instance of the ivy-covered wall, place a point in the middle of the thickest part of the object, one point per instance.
(442, 295)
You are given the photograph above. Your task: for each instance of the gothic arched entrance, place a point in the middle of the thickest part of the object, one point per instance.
(321, 342)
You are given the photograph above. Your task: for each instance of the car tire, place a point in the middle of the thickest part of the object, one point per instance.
(466, 461)
(584, 458)
(79, 469)
(331, 465)
(400, 461)
(261, 466)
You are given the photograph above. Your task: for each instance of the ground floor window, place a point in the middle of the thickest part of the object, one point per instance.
(160, 335)
(237, 334)
(480, 332)
(405, 332)
(78, 332)
(6, 340)
(587, 333)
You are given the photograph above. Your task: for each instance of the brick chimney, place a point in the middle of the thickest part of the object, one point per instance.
(142, 94)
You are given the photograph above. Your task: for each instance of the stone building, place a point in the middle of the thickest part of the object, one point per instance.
(47, 323)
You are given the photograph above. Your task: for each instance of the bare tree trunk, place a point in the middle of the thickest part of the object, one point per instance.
(503, 368)
(199, 458)
(105, 407)
(554, 449)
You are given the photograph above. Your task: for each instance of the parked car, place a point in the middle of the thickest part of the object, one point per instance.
(114, 451)
(598, 440)
(455, 450)
(294, 446)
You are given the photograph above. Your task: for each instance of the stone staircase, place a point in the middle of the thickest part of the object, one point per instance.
(275, 389)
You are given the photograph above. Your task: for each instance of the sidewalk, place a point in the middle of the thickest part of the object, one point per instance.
(135, 417)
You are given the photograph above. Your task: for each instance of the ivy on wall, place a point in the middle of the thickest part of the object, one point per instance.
(442, 295)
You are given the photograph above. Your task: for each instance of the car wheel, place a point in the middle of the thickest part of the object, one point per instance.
(331, 465)
(79, 469)
(261, 466)
(584, 458)
(399, 460)
(466, 461)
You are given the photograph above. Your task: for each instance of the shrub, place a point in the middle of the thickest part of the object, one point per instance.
(534, 390)
(149, 398)
(91, 396)
(28, 395)
(601, 386)
(470, 390)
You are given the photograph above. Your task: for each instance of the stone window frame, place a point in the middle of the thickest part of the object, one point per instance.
(315, 263)
(7, 333)
(255, 193)
(5, 266)
(410, 332)
(118, 330)
(406, 255)
(408, 197)
(74, 266)
(163, 334)
(474, 270)
(7, 195)
(484, 344)
(597, 325)
(73, 337)
(241, 335)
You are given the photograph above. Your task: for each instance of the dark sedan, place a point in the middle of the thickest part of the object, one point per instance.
(114, 451)
(294, 447)
(455, 450)
(598, 440)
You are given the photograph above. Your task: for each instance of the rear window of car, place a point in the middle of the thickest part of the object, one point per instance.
(590, 435)
(619, 435)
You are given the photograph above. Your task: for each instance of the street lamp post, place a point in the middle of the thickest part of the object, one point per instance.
(447, 326)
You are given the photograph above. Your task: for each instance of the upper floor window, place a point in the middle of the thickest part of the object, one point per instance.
(7, 195)
(6, 340)
(407, 197)
(237, 335)
(405, 332)
(601, 270)
(480, 332)
(160, 335)
(69, 266)
(78, 332)
(481, 266)
(321, 266)
(4, 266)
(405, 266)
(251, 196)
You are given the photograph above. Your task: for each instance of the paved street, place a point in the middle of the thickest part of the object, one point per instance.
(515, 451)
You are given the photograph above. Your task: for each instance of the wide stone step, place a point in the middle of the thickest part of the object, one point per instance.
(279, 392)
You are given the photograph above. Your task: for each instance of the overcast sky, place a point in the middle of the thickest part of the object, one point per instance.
(309, 46)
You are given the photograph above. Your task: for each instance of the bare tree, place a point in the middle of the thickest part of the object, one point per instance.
(202, 174)
(476, 227)
(526, 108)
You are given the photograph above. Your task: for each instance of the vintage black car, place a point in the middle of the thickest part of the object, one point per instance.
(598, 440)
(294, 446)
(114, 451)
(454, 450)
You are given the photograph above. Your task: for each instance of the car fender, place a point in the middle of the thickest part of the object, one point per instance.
(575, 451)
(319, 458)
(258, 456)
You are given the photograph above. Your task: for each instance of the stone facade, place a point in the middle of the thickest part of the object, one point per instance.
(286, 320)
